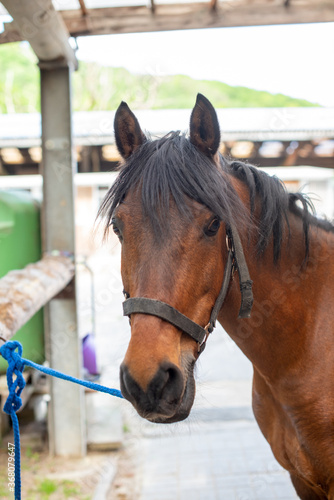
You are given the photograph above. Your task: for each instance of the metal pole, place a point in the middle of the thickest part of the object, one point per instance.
(66, 414)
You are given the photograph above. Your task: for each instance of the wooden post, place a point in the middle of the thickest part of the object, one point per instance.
(66, 415)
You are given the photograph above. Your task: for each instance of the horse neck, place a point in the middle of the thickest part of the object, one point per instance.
(286, 300)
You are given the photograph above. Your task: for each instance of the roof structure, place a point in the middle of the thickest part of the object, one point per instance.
(97, 17)
(264, 136)
(252, 124)
(48, 26)
(40, 24)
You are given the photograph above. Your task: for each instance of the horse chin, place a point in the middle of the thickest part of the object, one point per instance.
(182, 411)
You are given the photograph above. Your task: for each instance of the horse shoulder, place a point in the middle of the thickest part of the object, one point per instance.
(279, 430)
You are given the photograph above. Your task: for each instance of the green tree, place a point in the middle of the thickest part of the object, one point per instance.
(98, 87)
(19, 79)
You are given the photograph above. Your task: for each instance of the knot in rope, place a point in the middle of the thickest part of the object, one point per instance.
(12, 352)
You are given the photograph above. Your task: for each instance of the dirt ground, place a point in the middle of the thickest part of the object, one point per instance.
(127, 482)
(56, 478)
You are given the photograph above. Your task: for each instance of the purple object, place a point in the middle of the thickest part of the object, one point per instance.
(89, 354)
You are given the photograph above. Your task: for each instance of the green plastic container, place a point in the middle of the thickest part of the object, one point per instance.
(20, 244)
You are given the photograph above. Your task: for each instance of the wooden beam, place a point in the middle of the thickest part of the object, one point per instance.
(23, 292)
(197, 15)
(83, 7)
(168, 17)
(10, 34)
(43, 27)
(213, 5)
(152, 7)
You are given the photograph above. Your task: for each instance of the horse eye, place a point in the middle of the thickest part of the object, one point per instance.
(213, 227)
(115, 228)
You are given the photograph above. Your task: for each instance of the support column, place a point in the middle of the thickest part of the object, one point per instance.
(66, 411)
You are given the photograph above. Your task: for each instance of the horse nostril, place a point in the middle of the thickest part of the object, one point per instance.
(129, 388)
(167, 384)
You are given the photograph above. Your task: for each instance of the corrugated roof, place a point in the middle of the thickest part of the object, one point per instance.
(255, 124)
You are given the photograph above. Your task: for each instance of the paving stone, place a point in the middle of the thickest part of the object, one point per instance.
(193, 467)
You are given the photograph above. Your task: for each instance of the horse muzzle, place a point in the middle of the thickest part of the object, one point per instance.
(168, 397)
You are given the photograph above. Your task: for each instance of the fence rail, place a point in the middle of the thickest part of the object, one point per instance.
(23, 292)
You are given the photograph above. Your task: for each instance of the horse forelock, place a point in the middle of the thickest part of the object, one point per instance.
(171, 168)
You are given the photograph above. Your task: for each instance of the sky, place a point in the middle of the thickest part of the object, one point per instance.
(296, 60)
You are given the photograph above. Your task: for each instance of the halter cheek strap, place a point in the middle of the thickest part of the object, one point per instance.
(235, 261)
(244, 278)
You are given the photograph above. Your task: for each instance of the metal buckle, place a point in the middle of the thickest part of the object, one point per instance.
(229, 243)
(200, 345)
(126, 297)
(230, 248)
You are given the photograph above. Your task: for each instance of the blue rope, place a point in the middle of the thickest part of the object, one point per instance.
(12, 352)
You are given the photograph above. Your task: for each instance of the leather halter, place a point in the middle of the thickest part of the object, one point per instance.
(235, 261)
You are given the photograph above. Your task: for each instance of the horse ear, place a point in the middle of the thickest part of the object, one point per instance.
(204, 127)
(128, 133)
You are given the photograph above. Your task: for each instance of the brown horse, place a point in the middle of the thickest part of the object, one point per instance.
(182, 214)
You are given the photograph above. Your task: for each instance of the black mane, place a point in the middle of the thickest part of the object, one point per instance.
(173, 167)
(276, 204)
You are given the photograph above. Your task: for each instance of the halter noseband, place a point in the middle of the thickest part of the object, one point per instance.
(235, 261)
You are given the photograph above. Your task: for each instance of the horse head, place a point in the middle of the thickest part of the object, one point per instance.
(169, 209)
